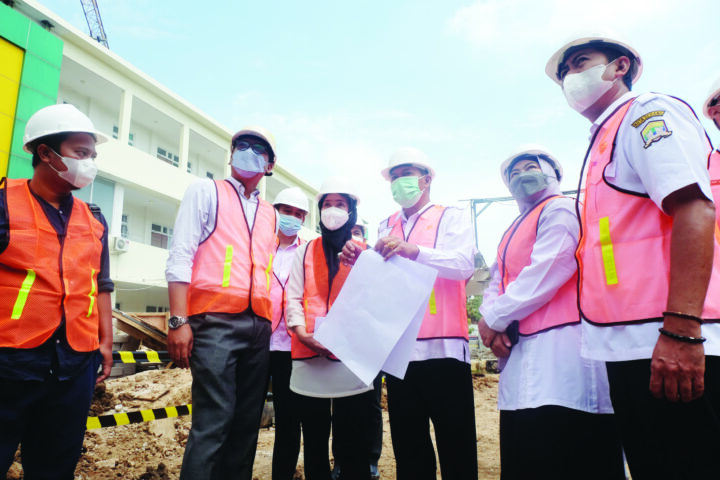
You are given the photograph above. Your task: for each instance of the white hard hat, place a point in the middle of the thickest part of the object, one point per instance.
(594, 41)
(408, 156)
(714, 92)
(261, 133)
(531, 149)
(293, 197)
(337, 185)
(61, 118)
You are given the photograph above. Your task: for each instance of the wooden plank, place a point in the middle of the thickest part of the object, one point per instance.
(137, 328)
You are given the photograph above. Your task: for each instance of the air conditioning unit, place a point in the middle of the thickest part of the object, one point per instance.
(120, 244)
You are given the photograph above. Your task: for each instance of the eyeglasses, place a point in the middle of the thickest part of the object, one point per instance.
(258, 148)
(714, 101)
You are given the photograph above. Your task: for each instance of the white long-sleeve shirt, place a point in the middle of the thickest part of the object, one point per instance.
(454, 258)
(195, 222)
(661, 168)
(545, 368)
(282, 263)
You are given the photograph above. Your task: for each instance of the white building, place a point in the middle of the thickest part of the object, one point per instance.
(159, 144)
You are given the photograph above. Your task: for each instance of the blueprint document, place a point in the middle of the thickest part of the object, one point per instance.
(374, 322)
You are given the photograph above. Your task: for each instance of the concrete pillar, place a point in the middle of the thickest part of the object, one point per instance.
(125, 117)
(184, 147)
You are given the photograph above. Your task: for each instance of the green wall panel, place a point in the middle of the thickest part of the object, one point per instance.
(14, 26)
(39, 81)
(45, 45)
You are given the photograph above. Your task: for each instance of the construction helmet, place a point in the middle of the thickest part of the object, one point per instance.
(408, 156)
(552, 68)
(61, 118)
(293, 197)
(260, 133)
(532, 149)
(337, 185)
(712, 94)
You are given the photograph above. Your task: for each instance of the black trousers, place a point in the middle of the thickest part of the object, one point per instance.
(351, 424)
(663, 439)
(375, 430)
(48, 419)
(286, 448)
(559, 443)
(441, 391)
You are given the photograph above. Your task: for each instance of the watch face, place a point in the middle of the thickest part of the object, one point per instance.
(175, 322)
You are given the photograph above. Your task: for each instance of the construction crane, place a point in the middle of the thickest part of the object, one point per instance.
(92, 15)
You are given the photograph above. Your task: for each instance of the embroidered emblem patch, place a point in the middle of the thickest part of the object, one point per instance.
(654, 131)
(641, 120)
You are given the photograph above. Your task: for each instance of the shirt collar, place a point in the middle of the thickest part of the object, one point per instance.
(603, 116)
(293, 245)
(415, 215)
(241, 189)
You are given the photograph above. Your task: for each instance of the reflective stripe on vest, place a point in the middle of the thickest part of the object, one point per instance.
(446, 315)
(318, 296)
(42, 279)
(230, 266)
(624, 249)
(514, 254)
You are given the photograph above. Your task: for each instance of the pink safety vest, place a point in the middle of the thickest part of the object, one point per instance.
(714, 168)
(446, 315)
(624, 249)
(514, 254)
(232, 268)
(277, 295)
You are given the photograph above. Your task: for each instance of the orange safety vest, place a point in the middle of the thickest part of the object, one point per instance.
(514, 254)
(277, 295)
(232, 268)
(446, 314)
(42, 279)
(714, 168)
(318, 295)
(624, 249)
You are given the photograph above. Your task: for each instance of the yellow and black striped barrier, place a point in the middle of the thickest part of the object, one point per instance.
(138, 416)
(142, 356)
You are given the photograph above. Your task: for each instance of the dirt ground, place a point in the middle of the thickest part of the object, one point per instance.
(154, 450)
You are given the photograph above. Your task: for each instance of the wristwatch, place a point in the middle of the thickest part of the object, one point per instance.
(175, 322)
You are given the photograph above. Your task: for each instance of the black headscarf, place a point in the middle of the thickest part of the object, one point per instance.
(334, 240)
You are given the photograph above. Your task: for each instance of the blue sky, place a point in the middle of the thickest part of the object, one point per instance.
(343, 84)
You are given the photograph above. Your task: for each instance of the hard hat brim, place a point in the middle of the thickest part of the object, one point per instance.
(553, 64)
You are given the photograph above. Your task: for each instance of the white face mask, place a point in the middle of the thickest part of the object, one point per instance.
(334, 217)
(248, 163)
(583, 89)
(79, 173)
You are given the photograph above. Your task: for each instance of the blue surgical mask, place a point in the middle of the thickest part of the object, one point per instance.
(289, 225)
(248, 163)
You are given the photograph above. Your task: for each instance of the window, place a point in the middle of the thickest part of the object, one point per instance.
(168, 157)
(160, 236)
(124, 226)
(116, 133)
(189, 167)
(209, 175)
(155, 309)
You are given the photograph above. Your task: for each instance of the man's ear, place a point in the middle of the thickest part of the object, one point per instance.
(622, 66)
(44, 152)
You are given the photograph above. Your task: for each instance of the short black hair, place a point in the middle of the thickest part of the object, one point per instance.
(53, 141)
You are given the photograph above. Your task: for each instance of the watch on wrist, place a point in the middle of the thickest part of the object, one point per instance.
(175, 322)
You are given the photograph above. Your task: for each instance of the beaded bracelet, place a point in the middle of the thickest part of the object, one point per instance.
(682, 338)
(684, 315)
